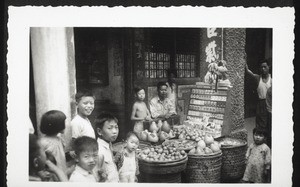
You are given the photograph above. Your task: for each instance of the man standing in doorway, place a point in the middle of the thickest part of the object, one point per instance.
(263, 82)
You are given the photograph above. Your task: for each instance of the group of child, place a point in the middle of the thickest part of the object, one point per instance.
(91, 149)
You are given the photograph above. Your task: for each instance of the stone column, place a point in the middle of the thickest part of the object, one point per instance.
(234, 40)
(54, 72)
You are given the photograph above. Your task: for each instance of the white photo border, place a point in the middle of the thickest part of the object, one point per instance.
(20, 19)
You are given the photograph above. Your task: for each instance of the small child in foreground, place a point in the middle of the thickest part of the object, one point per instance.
(140, 111)
(38, 163)
(126, 160)
(258, 157)
(87, 167)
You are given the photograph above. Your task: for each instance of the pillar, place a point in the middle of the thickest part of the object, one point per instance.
(54, 72)
(234, 40)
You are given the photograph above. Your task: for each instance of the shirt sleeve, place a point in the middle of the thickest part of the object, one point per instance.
(172, 109)
(268, 157)
(153, 109)
(75, 126)
(249, 151)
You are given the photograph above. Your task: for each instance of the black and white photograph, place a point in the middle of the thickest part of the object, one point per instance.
(157, 100)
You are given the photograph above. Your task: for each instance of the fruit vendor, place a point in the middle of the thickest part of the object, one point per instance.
(161, 106)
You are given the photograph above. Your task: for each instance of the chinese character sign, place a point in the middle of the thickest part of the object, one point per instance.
(213, 44)
(211, 32)
(210, 51)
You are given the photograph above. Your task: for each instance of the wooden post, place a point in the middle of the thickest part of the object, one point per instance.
(54, 72)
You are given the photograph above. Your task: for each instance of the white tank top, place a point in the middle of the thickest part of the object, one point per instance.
(263, 87)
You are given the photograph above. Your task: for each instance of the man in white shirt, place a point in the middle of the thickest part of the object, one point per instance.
(161, 106)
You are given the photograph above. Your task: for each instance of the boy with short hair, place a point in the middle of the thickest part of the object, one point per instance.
(140, 111)
(107, 129)
(86, 150)
(81, 125)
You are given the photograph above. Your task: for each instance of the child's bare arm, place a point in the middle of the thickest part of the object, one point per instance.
(148, 117)
(57, 171)
(133, 112)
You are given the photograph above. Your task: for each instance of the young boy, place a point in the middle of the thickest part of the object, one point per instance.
(140, 111)
(107, 130)
(81, 125)
(86, 170)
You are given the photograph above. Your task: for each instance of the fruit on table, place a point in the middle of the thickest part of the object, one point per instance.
(152, 137)
(208, 139)
(165, 127)
(153, 127)
(161, 154)
(199, 151)
(171, 134)
(159, 124)
(207, 150)
(144, 135)
(146, 151)
(163, 135)
(192, 151)
(182, 136)
(215, 147)
(206, 146)
(201, 144)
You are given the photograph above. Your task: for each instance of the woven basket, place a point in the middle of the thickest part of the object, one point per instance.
(233, 161)
(204, 168)
(169, 172)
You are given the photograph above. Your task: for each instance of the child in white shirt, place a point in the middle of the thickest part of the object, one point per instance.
(81, 125)
(107, 132)
(87, 167)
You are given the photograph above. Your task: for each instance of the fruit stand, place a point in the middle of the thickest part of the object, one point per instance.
(162, 164)
(194, 150)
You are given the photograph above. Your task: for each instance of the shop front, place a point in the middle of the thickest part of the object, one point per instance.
(203, 140)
